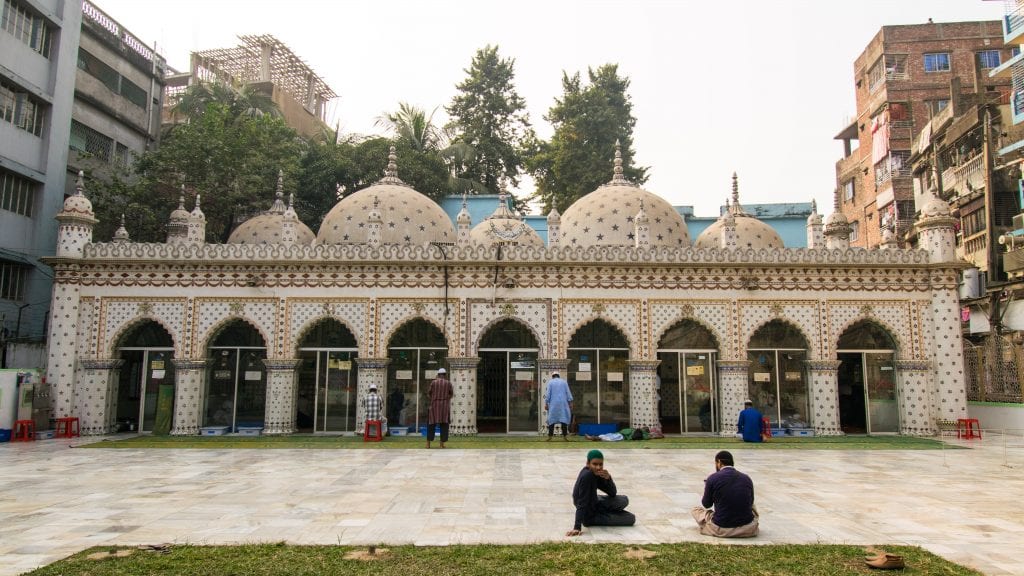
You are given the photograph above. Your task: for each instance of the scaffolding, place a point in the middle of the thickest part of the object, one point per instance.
(264, 58)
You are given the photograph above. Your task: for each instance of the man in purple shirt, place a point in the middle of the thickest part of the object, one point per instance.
(727, 509)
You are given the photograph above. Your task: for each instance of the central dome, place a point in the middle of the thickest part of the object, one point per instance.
(605, 217)
(504, 227)
(750, 232)
(407, 217)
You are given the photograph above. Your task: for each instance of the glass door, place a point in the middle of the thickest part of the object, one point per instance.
(410, 373)
(698, 392)
(236, 388)
(336, 398)
(492, 392)
(523, 393)
(880, 391)
(159, 370)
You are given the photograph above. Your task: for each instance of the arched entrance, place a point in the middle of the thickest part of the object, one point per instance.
(868, 402)
(778, 382)
(147, 351)
(598, 374)
(236, 383)
(687, 389)
(416, 350)
(507, 393)
(326, 392)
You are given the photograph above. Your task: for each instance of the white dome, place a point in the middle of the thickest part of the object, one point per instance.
(934, 207)
(750, 233)
(504, 227)
(407, 217)
(77, 203)
(266, 228)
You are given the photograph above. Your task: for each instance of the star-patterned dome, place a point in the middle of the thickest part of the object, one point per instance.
(606, 216)
(267, 227)
(750, 232)
(407, 217)
(504, 227)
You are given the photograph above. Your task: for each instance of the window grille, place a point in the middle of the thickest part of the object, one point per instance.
(899, 115)
(111, 78)
(89, 141)
(12, 280)
(27, 27)
(20, 109)
(122, 155)
(17, 194)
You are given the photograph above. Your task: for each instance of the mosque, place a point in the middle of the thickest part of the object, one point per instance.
(285, 329)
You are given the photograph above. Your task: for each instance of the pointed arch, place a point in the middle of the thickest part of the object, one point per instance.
(520, 321)
(717, 338)
(219, 327)
(404, 321)
(312, 324)
(783, 322)
(122, 332)
(583, 323)
(888, 331)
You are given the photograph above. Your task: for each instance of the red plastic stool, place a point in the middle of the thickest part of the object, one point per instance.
(67, 427)
(374, 431)
(24, 431)
(766, 429)
(968, 428)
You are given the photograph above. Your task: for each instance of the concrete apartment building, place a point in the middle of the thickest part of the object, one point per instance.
(38, 54)
(77, 92)
(904, 78)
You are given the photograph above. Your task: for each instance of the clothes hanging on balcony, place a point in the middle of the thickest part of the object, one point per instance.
(925, 138)
(879, 137)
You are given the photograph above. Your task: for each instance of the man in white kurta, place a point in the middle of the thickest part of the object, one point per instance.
(558, 404)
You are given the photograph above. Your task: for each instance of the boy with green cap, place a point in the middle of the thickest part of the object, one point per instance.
(593, 509)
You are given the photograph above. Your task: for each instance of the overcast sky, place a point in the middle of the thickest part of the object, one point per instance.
(757, 87)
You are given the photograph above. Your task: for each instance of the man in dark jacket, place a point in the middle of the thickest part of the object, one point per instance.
(593, 509)
(731, 493)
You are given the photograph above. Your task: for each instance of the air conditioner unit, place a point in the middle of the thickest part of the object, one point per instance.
(971, 284)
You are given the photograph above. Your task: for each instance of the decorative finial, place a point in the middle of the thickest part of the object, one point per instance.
(735, 189)
(814, 206)
(617, 177)
(199, 198)
(80, 184)
(280, 184)
(835, 200)
(121, 234)
(465, 199)
(392, 170)
(291, 199)
(181, 198)
(503, 192)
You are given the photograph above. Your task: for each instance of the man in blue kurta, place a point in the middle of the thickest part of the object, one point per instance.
(558, 404)
(749, 424)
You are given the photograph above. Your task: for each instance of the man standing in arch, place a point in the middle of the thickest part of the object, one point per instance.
(440, 406)
(558, 404)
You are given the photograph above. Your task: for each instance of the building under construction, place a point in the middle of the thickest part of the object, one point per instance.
(262, 62)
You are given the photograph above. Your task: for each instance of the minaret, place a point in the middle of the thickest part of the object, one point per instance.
(837, 228)
(729, 241)
(463, 223)
(197, 224)
(617, 176)
(641, 227)
(121, 234)
(374, 222)
(815, 232)
(554, 227)
(76, 221)
(177, 224)
(935, 228)
(289, 235)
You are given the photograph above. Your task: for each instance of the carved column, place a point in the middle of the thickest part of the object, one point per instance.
(732, 391)
(546, 366)
(463, 378)
(96, 395)
(643, 400)
(912, 378)
(281, 395)
(189, 378)
(824, 376)
(371, 371)
(62, 348)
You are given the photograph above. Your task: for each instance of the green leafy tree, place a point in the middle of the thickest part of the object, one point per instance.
(489, 117)
(414, 126)
(588, 120)
(425, 171)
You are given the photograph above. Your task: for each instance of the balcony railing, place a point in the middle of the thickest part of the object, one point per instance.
(961, 180)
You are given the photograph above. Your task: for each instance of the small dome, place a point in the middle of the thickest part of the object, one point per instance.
(934, 207)
(504, 227)
(121, 234)
(179, 215)
(77, 203)
(266, 228)
(605, 217)
(407, 217)
(750, 232)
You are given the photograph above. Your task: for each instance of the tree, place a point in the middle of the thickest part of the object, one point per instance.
(425, 171)
(414, 126)
(587, 120)
(247, 101)
(490, 117)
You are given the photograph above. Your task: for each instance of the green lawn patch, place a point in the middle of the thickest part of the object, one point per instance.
(519, 443)
(572, 558)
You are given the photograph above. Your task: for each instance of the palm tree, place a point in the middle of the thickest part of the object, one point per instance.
(412, 124)
(247, 101)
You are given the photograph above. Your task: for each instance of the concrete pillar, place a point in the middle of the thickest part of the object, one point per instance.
(189, 378)
(545, 367)
(63, 349)
(96, 395)
(824, 377)
(732, 391)
(916, 417)
(463, 378)
(643, 398)
(281, 395)
(371, 371)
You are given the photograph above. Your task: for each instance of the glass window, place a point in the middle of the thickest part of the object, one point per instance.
(17, 194)
(20, 109)
(854, 230)
(936, 106)
(849, 190)
(989, 59)
(937, 62)
(27, 27)
(12, 280)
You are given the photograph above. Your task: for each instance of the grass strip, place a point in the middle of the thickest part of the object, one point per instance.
(574, 558)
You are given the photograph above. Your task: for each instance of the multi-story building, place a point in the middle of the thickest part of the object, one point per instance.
(118, 97)
(38, 45)
(268, 66)
(904, 78)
